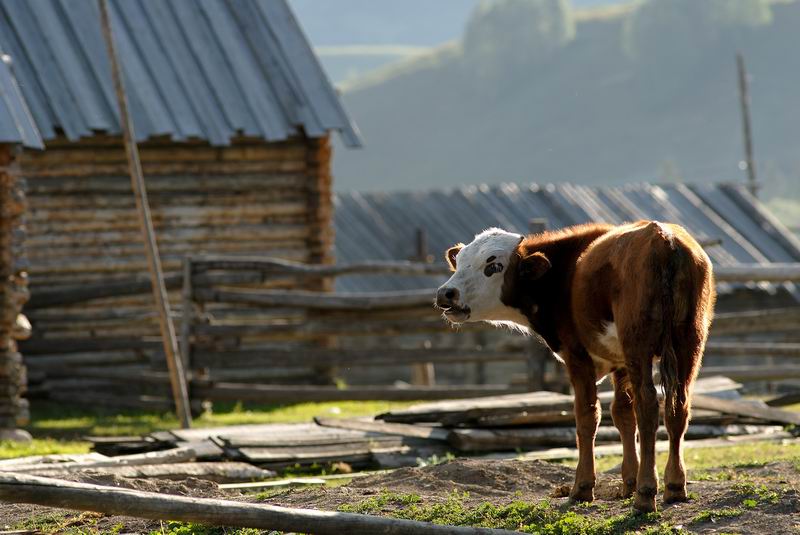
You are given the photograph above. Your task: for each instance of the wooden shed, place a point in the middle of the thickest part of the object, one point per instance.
(17, 131)
(233, 114)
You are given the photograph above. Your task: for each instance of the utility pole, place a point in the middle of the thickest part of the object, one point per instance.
(744, 100)
(174, 362)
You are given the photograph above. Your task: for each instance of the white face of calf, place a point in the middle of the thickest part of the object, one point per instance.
(474, 291)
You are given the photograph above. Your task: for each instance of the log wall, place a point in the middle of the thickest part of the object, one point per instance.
(13, 293)
(88, 273)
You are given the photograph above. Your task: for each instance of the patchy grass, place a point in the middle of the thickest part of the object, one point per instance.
(59, 429)
(67, 524)
(756, 494)
(540, 517)
(722, 461)
(185, 528)
(384, 501)
(713, 516)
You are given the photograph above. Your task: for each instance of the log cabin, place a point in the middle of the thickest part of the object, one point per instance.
(233, 114)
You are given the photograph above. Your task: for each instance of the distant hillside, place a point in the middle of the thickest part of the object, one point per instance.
(392, 22)
(353, 37)
(533, 92)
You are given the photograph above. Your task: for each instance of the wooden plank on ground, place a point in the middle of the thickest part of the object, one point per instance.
(746, 408)
(405, 430)
(790, 398)
(6, 465)
(516, 408)
(475, 440)
(220, 472)
(288, 482)
(196, 435)
(21, 488)
(176, 455)
(451, 412)
(356, 454)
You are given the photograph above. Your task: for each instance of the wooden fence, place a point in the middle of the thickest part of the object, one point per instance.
(247, 335)
(230, 332)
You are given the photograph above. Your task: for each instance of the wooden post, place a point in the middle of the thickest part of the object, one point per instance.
(538, 352)
(187, 314)
(421, 242)
(174, 363)
(423, 373)
(744, 100)
(22, 488)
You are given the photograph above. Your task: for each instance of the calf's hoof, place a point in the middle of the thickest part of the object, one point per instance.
(627, 487)
(645, 500)
(583, 492)
(675, 492)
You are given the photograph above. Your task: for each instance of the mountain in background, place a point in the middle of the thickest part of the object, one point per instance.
(390, 22)
(537, 91)
(353, 37)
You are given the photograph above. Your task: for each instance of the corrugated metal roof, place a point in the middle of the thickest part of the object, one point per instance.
(382, 226)
(199, 69)
(16, 123)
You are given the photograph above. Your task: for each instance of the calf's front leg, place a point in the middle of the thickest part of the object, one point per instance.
(587, 418)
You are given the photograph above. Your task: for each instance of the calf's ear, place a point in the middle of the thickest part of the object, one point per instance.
(450, 255)
(533, 266)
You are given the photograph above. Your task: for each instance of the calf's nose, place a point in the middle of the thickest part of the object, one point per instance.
(446, 297)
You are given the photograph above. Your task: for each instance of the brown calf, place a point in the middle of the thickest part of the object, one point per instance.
(608, 300)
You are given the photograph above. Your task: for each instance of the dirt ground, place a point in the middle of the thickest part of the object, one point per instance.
(765, 498)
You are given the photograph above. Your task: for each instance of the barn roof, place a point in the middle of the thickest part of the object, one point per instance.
(16, 123)
(194, 69)
(382, 226)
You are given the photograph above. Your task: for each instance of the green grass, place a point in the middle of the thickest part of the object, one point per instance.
(184, 528)
(700, 461)
(528, 517)
(59, 429)
(66, 524)
(756, 494)
(712, 516)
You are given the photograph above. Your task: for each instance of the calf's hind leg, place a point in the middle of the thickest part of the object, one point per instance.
(625, 421)
(676, 418)
(645, 401)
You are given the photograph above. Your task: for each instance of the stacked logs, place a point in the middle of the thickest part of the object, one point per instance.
(13, 294)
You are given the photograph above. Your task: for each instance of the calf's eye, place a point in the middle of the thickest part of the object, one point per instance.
(493, 268)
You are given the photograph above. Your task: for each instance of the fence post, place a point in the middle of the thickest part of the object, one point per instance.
(422, 374)
(187, 314)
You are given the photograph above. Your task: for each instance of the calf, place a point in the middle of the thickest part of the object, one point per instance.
(608, 300)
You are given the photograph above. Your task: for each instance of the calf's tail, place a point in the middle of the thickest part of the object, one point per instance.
(672, 313)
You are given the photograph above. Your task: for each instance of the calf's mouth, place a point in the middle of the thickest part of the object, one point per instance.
(455, 313)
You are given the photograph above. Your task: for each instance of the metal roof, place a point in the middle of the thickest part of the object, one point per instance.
(16, 123)
(194, 69)
(382, 226)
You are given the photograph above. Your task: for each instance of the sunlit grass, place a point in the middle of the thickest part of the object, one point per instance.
(69, 422)
(59, 429)
(698, 461)
(41, 446)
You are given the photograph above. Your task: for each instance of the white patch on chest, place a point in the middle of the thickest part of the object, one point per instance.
(610, 355)
(610, 340)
